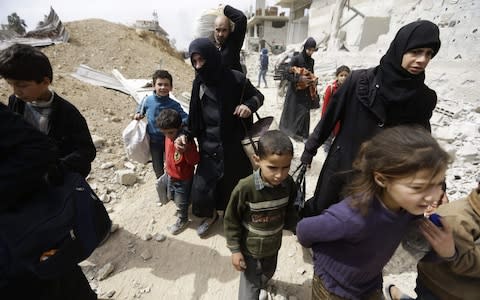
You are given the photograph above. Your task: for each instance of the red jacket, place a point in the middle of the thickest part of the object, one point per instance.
(180, 166)
(329, 91)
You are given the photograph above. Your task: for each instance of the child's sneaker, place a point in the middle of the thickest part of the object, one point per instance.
(178, 227)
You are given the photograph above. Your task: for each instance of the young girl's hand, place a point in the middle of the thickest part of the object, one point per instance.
(441, 238)
(238, 261)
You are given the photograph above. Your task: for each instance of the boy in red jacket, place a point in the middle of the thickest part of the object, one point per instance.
(179, 168)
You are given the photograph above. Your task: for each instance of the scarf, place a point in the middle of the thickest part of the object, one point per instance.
(397, 84)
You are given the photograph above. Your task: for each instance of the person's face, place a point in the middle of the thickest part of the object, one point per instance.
(274, 168)
(414, 193)
(30, 90)
(309, 51)
(221, 30)
(197, 61)
(415, 61)
(162, 87)
(170, 133)
(341, 77)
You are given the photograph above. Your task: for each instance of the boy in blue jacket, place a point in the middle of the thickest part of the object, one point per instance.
(151, 107)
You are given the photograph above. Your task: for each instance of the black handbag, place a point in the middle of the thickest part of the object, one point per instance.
(252, 136)
(301, 187)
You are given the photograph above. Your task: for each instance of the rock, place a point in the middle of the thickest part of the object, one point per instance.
(110, 293)
(114, 227)
(116, 119)
(98, 141)
(105, 271)
(147, 237)
(129, 165)
(126, 177)
(106, 165)
(159, 237)
(105, 198)
(445, 133)
(469, 152)
(146, 255)
(301, 271)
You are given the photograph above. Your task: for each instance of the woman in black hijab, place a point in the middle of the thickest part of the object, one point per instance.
(390, 94)
(295, 119)
(221, 100)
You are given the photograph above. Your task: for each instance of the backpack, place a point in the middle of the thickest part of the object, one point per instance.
(68, 218)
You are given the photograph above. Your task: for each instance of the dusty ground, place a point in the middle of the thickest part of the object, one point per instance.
(183, 266)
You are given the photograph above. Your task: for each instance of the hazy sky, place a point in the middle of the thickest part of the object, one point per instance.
(177, 17)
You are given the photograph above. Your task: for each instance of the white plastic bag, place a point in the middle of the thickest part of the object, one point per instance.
(136, 141)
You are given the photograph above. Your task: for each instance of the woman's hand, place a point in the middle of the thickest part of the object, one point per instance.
(180, 143)
(242, 111)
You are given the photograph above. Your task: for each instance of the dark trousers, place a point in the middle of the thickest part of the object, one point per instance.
(156, 150)
(259, 271)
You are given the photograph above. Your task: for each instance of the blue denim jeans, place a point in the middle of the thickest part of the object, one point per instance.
(176, 190)
(259, 271)
(156, 150)
(261, 75)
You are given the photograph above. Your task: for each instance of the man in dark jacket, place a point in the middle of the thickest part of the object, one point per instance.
(229, 39)
(221, 108)
(393, 93)
(29, 72)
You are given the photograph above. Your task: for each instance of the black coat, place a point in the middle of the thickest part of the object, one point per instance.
(26, 157)
(295, 119)
(362, 114)
(216, 92)
(69, 131)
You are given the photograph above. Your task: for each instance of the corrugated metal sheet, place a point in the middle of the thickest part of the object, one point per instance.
(51, 31)
(137, 88)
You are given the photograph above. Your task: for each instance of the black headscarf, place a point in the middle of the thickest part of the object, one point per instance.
(210, 72)
(309, 43)
(397, 84)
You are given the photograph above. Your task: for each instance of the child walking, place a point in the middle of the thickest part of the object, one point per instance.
(179, 167)
(151, 107)
(341, 74)
(397, 175)
(263, 67)
(260, 207)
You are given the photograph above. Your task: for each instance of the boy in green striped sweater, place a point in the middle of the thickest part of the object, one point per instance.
(260, 207)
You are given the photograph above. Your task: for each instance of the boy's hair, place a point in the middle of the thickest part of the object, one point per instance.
(341, 69)
(395, 153)
(24, 62)
(274, 142)
(168, 119)
(162, 74)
